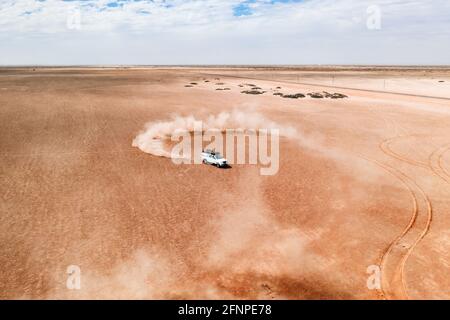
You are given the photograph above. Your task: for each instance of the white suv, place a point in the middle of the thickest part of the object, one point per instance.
(214, 158)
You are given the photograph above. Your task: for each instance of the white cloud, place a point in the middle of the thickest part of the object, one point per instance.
(207, 32)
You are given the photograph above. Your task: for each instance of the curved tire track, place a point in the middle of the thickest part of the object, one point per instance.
(435, 162)
(385, 146)
(394, 258)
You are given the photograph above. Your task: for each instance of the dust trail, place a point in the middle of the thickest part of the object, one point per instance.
(155, 138)
(144, 275)
(151, 140)
(248, 247)
(251, 248)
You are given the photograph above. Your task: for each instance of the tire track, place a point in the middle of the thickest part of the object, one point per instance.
(394, 257)
(385, 146)
(435, 161)
(400, 270)
(441, 161)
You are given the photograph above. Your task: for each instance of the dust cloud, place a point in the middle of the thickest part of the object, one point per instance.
(152, 139)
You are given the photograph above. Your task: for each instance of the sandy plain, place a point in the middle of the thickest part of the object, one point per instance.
(365, 183)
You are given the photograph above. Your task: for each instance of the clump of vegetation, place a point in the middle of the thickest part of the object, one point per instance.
(293, 96)
(316, 95)
(255, 92)
(338, 96)
(324, 94)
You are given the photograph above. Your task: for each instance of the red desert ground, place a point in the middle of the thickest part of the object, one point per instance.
(362, 188)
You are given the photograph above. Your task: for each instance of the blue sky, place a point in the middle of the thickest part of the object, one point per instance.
(224, 32)
(244, 8)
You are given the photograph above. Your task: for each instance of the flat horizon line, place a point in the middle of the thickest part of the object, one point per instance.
(105, 66)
